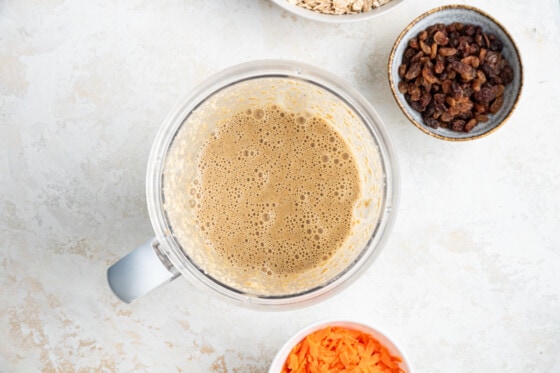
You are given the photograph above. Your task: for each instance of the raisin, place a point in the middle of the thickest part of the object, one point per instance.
(446, 117)
(417, 57)
(429, 76)
(447, 51)
(489, 71)
(470, 125)
(480, 75)
(456, 90)
(458, 125)
(430, 110)
(485, 95)
(482, 55)
(454, 39)
(440, 38)
(469, 30)
(499, 89)
(476, 85)
(496, 105)
(408, 54)
(481, 117)
(486, 40)
(471, 60)
(425, 99)
(433, 49)
(492, 58)
(439, 98)
(426, 85)
(467, 72)
(495, 43)
(415, 92)
(473, 49)
(467, 90)
(478, 40)
(434, 123)
(455, 75)
(425, 48)
(446, 86)
(465, 115)
(416, 105)
(439, 67)
(479, 108)
(403, 87)
(506, 75)
(413, 71)
(402, 70)
(464, 46)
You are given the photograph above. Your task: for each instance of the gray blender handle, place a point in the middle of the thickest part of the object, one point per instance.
(142, 270)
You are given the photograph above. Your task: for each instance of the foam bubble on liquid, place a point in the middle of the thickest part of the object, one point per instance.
(276, 191)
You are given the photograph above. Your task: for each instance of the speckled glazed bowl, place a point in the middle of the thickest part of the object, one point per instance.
(383, 338)
(335, 18)
(466, 15)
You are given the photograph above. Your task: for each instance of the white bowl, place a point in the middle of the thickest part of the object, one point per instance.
(336, 18)
(392, 347)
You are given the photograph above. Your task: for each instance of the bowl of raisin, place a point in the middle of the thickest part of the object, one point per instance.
(456, 73)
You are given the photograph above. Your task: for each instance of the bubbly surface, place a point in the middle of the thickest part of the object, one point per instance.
(275, 191)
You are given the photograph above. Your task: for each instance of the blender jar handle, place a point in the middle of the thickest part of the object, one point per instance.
(142, 270)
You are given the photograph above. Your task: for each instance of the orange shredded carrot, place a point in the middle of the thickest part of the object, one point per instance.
(337, 349)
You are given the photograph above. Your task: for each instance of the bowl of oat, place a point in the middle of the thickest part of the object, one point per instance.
(337, 11)
(456, 73)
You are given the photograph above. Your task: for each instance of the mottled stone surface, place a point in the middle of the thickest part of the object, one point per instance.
(469, 281)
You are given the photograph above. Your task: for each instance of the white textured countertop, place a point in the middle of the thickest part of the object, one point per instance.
(469, 281)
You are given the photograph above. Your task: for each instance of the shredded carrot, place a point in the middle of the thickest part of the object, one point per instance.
(337, 349)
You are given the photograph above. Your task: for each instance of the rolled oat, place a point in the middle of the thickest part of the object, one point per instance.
(339, 6)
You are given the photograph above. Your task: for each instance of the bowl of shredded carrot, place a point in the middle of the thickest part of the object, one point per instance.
(340, 346)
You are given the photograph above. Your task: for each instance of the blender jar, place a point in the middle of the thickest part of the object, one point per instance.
(179, 248)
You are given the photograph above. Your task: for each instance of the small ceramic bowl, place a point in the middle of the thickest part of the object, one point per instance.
(381, 337)
(467, 15)
(336, 18)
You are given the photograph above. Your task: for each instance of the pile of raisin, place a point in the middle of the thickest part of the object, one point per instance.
(455, 75)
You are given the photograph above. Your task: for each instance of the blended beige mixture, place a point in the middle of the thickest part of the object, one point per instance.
(275, 191)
